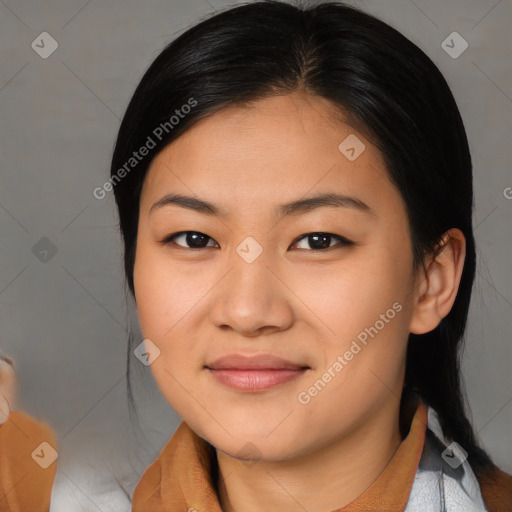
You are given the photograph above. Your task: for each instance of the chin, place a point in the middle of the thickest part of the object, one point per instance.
(255, 447)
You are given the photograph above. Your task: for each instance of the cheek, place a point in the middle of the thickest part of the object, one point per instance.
(355, 294)
(165, 304)
(171, 308)
(364, 355)
(163, 292)
(368, 314)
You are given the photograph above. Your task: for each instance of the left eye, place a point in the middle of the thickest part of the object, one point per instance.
(322, 241)
(195, 239)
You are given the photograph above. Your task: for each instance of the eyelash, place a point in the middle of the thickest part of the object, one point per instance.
(344, 242)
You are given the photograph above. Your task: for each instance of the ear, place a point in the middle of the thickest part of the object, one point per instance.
(436, 289)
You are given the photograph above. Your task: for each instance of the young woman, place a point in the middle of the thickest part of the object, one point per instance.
(294, 189)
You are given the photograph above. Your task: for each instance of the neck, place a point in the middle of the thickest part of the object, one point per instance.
(325, 480)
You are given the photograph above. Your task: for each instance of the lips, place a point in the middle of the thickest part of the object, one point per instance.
(256, 362)
(254, 373)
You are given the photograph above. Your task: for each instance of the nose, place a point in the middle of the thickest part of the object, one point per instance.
(252, 298)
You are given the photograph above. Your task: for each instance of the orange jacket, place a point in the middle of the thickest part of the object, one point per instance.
(28, 451)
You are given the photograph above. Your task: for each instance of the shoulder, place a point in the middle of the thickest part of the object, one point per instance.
(496, 489)
(21, 427)
(28, 448)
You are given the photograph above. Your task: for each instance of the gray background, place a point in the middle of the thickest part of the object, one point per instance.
(64, 321)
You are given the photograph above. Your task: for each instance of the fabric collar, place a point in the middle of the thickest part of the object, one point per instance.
(181, 476)
(444, 480)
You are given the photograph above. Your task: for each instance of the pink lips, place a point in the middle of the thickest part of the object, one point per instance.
(254, 373)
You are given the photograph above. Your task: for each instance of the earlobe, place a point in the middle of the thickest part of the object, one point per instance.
(437, 288)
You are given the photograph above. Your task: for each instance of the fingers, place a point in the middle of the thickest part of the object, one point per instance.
(7, 360)
(8, 387)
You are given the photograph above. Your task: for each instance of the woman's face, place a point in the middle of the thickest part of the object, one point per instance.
(250, 281)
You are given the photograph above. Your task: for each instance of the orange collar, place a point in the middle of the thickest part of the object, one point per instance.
(181, 476)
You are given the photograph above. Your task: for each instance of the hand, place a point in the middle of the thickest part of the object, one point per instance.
(8, 387)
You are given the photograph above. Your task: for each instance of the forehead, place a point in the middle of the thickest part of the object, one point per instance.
(277, 148)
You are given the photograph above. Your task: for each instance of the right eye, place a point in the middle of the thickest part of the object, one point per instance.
(195, 240)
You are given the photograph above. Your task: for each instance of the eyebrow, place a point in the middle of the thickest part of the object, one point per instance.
(292, 208)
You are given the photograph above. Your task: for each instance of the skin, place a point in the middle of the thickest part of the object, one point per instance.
(293, 301)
